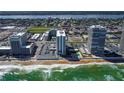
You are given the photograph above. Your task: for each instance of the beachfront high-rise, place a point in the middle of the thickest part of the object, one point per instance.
(96, 40)
(122, 43)
(18, 42)
(60, 40)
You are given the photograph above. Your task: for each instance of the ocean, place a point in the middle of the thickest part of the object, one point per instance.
(87, 72)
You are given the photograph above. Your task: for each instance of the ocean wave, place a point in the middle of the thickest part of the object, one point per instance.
(62, 69)
(109, 77)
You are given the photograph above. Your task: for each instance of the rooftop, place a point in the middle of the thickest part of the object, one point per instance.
(60, 33)
(28, 46)
(97, 27)
(7, 27)
(5, 48)
(20, 34)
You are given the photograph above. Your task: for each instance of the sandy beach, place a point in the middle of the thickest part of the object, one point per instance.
(51, 62)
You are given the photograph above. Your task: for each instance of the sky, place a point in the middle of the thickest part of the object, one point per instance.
(61, 5)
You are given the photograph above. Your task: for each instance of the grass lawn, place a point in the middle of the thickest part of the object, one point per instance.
(38, 29)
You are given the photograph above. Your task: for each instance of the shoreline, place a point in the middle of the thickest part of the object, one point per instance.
(60, 62)
(51, 63)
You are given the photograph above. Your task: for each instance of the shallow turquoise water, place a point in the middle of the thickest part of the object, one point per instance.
(90, 72)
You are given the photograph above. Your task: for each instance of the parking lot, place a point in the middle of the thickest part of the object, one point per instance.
(46, 51)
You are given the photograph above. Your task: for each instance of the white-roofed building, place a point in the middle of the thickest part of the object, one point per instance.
(5, 50)
(61, 46)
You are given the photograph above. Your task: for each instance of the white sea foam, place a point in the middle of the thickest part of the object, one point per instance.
(109, 77)
(7, 68)
(47, 67)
